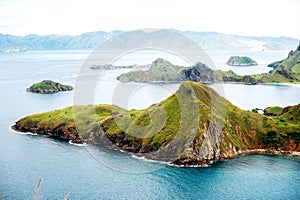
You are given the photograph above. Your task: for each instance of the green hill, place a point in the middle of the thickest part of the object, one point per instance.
(160, 71)
(193, 126)
(285, 71)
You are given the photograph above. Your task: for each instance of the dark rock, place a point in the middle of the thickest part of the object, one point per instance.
(249, 80)
(199, 73)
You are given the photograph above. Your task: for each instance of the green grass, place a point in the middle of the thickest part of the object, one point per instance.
(286, 71)
(227, 76)
(274, 111)
(292, 63)
(193, 107)
(42, 85)
(161, 71)
(48, 85)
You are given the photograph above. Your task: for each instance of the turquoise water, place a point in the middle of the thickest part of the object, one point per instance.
(89, 172)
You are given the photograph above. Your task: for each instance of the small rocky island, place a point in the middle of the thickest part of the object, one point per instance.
(48, 87)
(241, 61)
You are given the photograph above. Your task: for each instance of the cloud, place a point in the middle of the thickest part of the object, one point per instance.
(255, 17)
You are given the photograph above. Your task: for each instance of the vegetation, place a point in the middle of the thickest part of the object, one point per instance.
(160, 71)
(273, 111)
(43, 86)
(195, 112)
(241, 61)
(286, 71)
(48, 86)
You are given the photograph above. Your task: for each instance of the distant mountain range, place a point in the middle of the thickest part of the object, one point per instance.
(207, 40)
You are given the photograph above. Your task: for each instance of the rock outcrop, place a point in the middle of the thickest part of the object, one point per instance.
(199, 73)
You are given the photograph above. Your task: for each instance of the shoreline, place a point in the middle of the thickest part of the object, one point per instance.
(193, 164)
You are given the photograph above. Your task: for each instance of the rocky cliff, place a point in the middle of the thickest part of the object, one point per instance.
(194, 126)
(199, 73)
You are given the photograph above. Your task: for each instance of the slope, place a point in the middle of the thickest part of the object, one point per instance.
(193, 126)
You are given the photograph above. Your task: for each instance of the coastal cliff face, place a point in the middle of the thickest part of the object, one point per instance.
(48, 87)
(200, 127)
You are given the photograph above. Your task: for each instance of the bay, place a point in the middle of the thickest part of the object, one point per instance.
(89, 172)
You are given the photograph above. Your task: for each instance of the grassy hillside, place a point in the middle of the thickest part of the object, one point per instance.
(285, 71)
(193, 126)
(292, 63)
(160, 71)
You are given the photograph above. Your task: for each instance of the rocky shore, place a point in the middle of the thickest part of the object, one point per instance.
(57, 133)
(200, 142)
(134, 145)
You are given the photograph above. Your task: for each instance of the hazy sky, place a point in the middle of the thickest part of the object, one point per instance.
(240, 17)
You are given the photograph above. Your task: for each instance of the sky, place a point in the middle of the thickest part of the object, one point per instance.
(273, 18)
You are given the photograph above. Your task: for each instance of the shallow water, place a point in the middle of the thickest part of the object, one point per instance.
(89, 172)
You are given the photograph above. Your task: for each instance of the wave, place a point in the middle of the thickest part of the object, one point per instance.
(143, 158)
(22, 133)
(80, 145)
(290, 84)
(27, 133)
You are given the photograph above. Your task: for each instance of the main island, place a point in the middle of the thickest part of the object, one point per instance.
(221, 130)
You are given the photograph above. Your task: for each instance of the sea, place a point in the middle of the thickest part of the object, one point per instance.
(91, 172)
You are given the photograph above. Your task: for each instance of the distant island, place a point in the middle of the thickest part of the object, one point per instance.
(163, 71)
(241, 61)
(111, 67)
(223, 130)
(48, 87)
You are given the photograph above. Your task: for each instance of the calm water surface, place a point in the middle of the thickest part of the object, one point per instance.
(94, 173)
